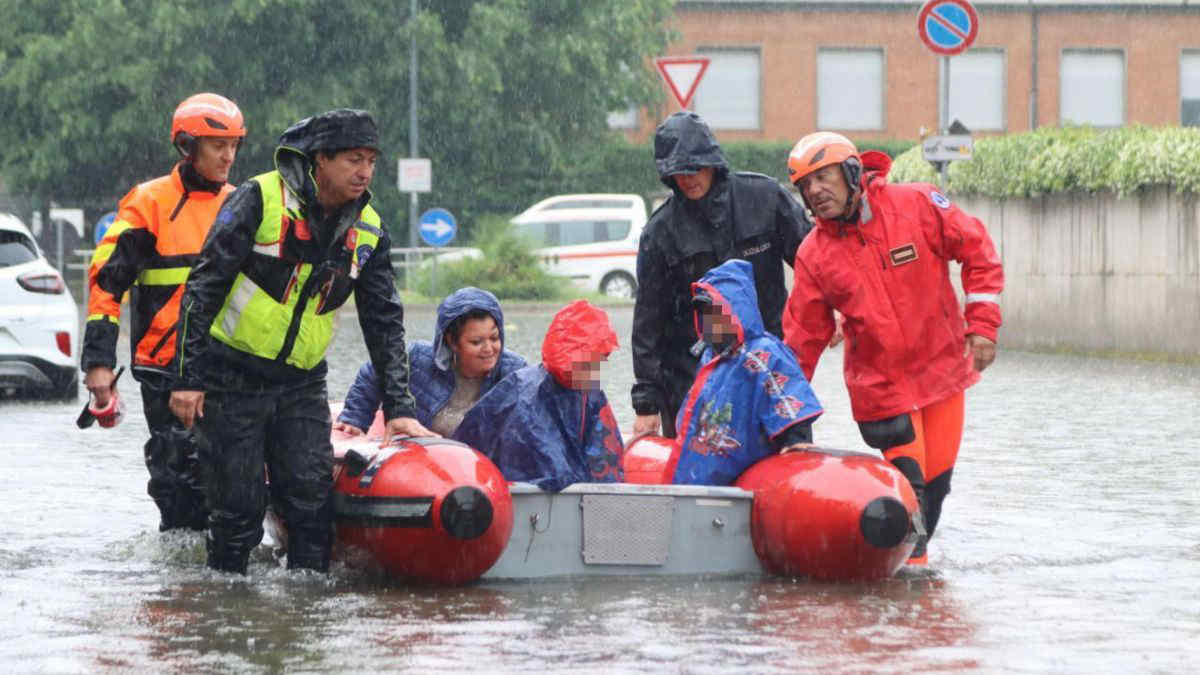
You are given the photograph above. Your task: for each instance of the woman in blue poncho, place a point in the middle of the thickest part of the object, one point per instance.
(466, 359)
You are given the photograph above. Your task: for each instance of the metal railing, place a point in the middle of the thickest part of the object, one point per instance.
(404, 259)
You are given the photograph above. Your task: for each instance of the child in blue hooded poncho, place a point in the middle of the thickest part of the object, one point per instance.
(750, 398)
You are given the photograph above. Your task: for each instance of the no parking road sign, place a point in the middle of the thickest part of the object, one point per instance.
(948, 27)
(437, 227)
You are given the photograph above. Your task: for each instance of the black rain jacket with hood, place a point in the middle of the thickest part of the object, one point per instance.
(212, 364)
(743, 215)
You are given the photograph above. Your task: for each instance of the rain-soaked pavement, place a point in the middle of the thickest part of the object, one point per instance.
(1071, 543)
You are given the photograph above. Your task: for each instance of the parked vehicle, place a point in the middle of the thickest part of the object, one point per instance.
(39, 320)
(591, 239)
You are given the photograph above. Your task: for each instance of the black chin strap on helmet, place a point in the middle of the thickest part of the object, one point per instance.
(185, 144)
(852, 172)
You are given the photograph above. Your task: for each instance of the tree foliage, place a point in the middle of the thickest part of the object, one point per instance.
(509, 90)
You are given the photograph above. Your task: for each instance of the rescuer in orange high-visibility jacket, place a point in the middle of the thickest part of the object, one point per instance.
(148, 251)
(879, 256)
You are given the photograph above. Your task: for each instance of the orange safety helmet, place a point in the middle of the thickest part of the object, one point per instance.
(205, 114)
(821, 149)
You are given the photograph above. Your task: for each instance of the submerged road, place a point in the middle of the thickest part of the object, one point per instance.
(1070, 543)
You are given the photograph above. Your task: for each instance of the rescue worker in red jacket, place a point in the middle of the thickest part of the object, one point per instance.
(880, 256)
(149, 250)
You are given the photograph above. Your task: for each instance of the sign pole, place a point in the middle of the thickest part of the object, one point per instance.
(947, 27)
(945, 110)
(412, 126)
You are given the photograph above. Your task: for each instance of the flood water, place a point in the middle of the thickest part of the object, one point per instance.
(1071, 543)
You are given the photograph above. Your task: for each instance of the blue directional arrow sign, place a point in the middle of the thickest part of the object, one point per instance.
(103, 224)
(948, 27)
(437, 227)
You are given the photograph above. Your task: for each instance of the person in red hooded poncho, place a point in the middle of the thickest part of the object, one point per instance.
(550, 424)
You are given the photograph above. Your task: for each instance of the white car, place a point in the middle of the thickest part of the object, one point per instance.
(39, 321)
(591, 239)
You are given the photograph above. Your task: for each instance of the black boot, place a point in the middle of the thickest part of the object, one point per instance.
(912, 471)
(935, 493)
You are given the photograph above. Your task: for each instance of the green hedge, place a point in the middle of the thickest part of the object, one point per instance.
(1068, 159)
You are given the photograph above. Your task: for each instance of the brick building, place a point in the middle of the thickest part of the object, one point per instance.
(782, 68)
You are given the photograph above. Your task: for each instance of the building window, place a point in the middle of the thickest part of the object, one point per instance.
(1092, 87)
(729, 95)
(1189, 88)
(850, 89)
(623, 119)
(977, 89)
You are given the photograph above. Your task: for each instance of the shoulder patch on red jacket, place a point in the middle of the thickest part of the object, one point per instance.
(939, 199)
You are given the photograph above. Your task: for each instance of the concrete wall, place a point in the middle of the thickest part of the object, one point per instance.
(1097, 273)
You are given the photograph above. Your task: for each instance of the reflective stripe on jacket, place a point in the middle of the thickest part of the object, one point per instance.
(148, 250)
(293, 323)
(889, 276)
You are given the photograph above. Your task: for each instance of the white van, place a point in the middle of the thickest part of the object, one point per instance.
(590, 238)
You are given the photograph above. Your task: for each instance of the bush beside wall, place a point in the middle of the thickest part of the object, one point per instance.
(1054, 160)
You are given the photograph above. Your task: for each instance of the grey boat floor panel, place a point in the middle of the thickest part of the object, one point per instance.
(611, 529)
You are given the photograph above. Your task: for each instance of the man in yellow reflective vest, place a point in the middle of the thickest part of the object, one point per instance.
(287, 249)
(148, 251)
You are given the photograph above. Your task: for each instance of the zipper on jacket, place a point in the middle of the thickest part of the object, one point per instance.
(162, 341)
(291, 284)
(289, 340)
(183, 321)
(863, 240)
(182, 199)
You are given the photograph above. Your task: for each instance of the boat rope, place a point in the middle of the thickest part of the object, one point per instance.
(533, 524)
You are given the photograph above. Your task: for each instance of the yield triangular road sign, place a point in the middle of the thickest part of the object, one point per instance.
(682, 75)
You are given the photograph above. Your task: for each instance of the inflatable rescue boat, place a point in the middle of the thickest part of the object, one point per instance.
(436, 511)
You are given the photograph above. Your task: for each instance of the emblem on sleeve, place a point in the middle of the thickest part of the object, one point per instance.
(939, 199)
(364, 254)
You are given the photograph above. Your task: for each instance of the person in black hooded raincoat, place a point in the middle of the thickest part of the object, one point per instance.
(550, 424)
(287, 249)
(712, 215)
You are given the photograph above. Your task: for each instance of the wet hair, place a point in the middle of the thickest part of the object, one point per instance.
(456, 326)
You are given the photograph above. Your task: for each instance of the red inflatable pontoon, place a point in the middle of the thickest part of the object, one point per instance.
(426, 509)
(818, 513)
(829, 514)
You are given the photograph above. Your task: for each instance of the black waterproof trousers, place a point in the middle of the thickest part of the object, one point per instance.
(176, 478)
(276, 431)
